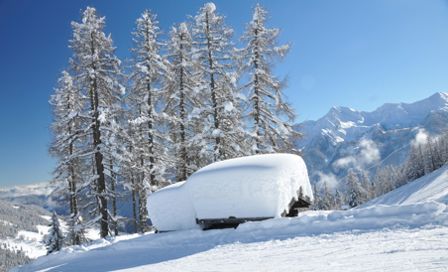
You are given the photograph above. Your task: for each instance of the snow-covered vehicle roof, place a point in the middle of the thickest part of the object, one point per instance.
(260, 186)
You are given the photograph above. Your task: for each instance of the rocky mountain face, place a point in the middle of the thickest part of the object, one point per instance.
(346, 138)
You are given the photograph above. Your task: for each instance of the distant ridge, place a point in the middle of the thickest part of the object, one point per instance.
(391, 127)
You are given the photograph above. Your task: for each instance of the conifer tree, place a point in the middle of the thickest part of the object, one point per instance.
(130, 167)
(415, 165)
(355, 193)
(97, 71)
(270, 116)
(222, 127)
(54, 239)
(326, 197)
(149, 69)
(68, 134)
(181, 98)
(76, 232)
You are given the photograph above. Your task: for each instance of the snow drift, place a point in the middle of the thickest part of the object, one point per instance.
(171, 208)
(405, 230)
(260, 186)
(359, 231)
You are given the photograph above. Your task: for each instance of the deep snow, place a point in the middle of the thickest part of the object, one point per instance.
(406, 230)
(366, 232)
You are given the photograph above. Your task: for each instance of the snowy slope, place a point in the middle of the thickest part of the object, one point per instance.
(346, 137)
(51, 197)
(432, 187)
(22, 228)
(22, 231)
(404, 230)
(378, 236)
(407, 235)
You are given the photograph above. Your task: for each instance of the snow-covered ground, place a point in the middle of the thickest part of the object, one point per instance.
(432, 187)
(32, 243)
(387, 235)
(29, 242)
(378, 238)
(390, 250)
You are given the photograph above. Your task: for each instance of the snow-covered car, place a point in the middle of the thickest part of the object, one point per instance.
(227, 193)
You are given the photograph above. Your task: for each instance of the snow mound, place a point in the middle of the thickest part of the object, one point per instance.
(431, 187)
(170, 208)
(259, 186)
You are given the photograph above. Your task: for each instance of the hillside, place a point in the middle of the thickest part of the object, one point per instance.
(388, 235)
(52, 197)
(39, 194)
(22, 228)
(346, 138)
(432, 187)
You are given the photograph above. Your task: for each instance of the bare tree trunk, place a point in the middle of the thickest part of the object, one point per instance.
(256, 97)
(150, 136)
(134, 203)
(183, 148)
(114, 198)
(143, 211)
(99, 167)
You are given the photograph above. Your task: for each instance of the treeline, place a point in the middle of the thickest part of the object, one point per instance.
(359, 187)
(183, 101)
(15, 218)
(12, 219)
(11, 257)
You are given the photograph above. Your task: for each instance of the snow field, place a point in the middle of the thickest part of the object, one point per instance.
(387, 250)
(404, 230)
(413, 237)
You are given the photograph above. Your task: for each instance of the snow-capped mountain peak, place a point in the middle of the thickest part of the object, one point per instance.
(389, 128)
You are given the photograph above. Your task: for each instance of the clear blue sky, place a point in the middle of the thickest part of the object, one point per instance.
(347, 52)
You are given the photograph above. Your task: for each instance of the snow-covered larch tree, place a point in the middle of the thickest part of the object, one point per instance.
(149, 68)
(114, 158)
(220, 114)
(67, 106)
(54, 239)
(415, 165)
(356, 195)
(130, 165)
(181, 98)
(76, 231)
(97, 70)
(270, 116)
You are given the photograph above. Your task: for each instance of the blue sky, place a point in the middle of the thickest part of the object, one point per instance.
(346, 52)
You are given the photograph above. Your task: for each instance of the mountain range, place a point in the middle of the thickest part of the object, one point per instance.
(347, 138)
